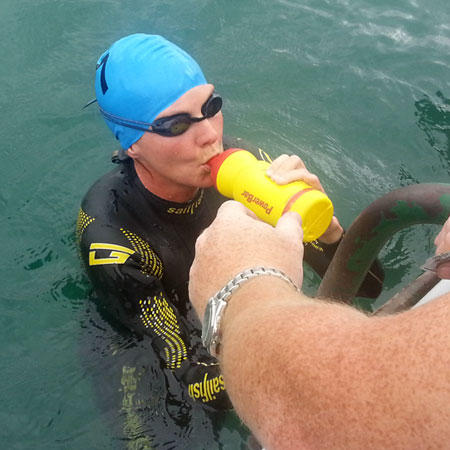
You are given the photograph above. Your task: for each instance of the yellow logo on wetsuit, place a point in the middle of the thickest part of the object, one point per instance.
(207, 389)
(118, 254)
(190, 209)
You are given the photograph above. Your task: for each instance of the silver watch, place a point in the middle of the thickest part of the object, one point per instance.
(215, 309)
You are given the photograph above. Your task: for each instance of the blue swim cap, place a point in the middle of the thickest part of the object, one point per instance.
(138, 77)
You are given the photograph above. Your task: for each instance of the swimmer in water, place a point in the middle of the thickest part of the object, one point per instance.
(138, 224)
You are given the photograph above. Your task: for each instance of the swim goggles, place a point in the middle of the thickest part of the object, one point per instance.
(172, 125)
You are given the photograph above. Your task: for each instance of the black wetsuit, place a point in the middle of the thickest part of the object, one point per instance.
(137, 250)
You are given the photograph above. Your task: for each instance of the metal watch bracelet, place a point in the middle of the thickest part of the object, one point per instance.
(217, 304)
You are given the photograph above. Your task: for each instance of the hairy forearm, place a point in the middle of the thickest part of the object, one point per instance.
(308, 374)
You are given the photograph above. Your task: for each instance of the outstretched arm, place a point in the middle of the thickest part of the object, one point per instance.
(309, 374)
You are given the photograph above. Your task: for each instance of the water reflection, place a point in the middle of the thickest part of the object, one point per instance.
(433, 118)
(141, 402)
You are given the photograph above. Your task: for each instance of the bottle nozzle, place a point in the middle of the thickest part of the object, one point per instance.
(215, 162)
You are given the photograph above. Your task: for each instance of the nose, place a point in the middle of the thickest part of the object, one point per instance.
(209, 130)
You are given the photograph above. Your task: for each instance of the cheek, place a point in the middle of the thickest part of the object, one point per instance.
(218, 122)
(181, 157)
(171, 151)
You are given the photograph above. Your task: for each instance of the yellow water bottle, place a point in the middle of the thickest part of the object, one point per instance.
(239, 175)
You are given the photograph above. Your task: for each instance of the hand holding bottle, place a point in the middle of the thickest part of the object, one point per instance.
(239, 175)
(287, 168)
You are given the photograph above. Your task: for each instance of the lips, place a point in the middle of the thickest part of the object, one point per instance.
(212, 157)
(206, 168)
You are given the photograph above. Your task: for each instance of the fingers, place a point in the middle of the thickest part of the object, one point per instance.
(290, 227)
(286, 169)
(298, 175)
(442, 240)
(289, 234)
(233, 207)
(285, 162)
(333, 233)
(238, 240)
(443, 271)
(280, 168)
(442, 243)
(229, 214)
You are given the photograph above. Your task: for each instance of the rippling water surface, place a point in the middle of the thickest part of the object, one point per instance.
(359, 89)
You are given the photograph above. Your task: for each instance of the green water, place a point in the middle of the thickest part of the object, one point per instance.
(359, 89)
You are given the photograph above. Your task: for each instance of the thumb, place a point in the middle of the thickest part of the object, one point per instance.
(290, 225)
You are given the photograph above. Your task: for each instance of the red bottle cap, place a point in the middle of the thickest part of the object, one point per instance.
(217, 161)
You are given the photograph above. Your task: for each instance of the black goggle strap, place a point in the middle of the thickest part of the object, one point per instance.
(135, 124)
(209, 109)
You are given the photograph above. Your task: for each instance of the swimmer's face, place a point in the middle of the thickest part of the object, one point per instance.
(175, 167)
